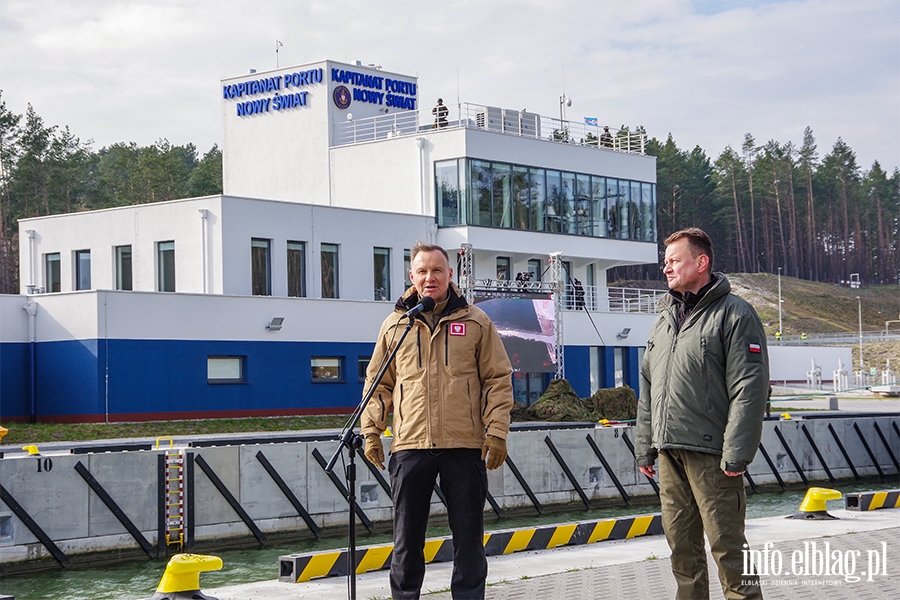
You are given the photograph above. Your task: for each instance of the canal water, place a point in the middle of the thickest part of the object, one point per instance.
(138, 581)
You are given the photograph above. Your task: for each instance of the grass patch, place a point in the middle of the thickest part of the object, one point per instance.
(33, 433)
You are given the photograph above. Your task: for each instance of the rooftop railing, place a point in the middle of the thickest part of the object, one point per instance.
(519, 123)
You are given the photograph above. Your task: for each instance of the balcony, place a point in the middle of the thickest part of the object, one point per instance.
(490, 118)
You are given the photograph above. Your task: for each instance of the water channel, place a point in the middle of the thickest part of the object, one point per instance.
(138, 580)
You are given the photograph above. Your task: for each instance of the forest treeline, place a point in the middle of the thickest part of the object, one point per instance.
(48, 170)
(767, 205)
(778, 205)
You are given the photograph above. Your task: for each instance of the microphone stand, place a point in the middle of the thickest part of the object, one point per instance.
(352, 441)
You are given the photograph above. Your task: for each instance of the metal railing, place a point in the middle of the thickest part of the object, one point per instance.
(839, 337)
(520, 123)
(625, 300)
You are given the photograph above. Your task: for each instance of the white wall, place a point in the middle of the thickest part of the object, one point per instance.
(790, 363)
(140, 226)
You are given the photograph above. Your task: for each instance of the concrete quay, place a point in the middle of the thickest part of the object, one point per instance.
(863, 550)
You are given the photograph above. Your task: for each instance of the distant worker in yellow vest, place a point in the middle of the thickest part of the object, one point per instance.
(440, 113)
(777, 336)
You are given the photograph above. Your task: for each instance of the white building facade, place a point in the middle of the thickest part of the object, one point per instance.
(266, 300)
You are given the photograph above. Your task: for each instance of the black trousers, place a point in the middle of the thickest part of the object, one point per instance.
(464, 484)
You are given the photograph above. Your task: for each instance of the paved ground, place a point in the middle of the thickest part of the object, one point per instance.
(638, 569)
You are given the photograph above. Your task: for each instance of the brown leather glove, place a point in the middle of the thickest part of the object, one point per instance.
(374, 450)
(495, 450)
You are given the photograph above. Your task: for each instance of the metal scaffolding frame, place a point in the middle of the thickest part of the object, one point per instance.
(558, 275)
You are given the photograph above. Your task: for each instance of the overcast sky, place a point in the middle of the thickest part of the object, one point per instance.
(706, 71)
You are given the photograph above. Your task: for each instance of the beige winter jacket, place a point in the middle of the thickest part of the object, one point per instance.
(446, 388)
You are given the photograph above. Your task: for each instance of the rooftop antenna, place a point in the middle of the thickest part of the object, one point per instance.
(278, 45)
(564, 101)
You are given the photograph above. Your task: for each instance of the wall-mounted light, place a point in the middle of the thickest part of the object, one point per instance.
(624, 333)
(275, 324)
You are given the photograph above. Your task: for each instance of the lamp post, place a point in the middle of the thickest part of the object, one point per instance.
(780, 329)
(859, 304)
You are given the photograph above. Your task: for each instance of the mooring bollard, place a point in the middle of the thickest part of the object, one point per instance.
(813, 506)
(181, 581)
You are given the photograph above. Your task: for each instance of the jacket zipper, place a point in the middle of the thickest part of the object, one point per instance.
(446, 346)
(419, 345)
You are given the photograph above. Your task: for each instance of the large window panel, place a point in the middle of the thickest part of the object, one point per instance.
(568, 202)
(82, 269)
(598, 205)
(165, 266)
(330, 272)
(123, 268)
(612, 207)
(521, 194)
(538, 180)
(52, 282)
(502, 195)
(296, 267)
(261, 267)
(481, 187)
(447, 192)
(583, 218)
(382, 273)
(634, 210)
(648, 212)
(554, 203)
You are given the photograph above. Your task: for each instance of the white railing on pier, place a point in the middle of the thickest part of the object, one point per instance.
(520, 123)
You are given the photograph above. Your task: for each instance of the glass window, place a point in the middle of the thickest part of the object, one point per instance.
(648, 212)
(382, 273)
(598, 205)
(612, 207)
(534, 269)
(296, 266)
(225, 369)
(634, 210)
(554, 203)
(82, 269)
(326, 368)
(123, 268)
(165, 266)
(503, 268)
(330, 274)
(567, 203)
(521, 194)
(407, 267)
(51, 272)
(589, 283)
(362, 365)
(538, 197)
(261, 267)
(447, 192)
(583, 218)
(502, 195)
(482, 192)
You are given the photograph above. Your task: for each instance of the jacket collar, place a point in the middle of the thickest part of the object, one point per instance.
(720, 287)
(410, 298)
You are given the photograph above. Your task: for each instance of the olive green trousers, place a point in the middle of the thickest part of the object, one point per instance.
(697, 497)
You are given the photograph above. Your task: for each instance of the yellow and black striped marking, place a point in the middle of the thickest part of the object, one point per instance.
(303, 567)
(872, 500)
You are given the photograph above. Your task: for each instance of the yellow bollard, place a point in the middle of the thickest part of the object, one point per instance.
(181, 581)
(3, 432)
(32, 449)
(813, 506)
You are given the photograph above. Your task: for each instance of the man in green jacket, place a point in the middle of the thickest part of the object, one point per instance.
(704, 384)
(450, 392)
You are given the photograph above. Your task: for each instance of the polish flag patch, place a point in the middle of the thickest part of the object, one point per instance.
(457, 329)
(755, 349)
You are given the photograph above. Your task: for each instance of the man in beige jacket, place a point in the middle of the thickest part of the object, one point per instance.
(450, 392)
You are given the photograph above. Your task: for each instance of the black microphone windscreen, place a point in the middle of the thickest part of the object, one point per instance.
(427, 304)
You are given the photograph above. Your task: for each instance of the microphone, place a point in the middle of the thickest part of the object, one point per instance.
(426, 305)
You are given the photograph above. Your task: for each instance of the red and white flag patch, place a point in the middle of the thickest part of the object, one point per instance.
(457, 329)
(755, 348)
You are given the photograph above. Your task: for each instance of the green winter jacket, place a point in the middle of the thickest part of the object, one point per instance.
(705, 387)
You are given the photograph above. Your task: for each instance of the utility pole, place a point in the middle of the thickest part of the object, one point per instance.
(780, 329)
(859, 303)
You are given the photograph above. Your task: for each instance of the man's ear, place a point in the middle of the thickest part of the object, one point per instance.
(703, 265)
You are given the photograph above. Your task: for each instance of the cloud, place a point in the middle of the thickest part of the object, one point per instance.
(707, 71)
